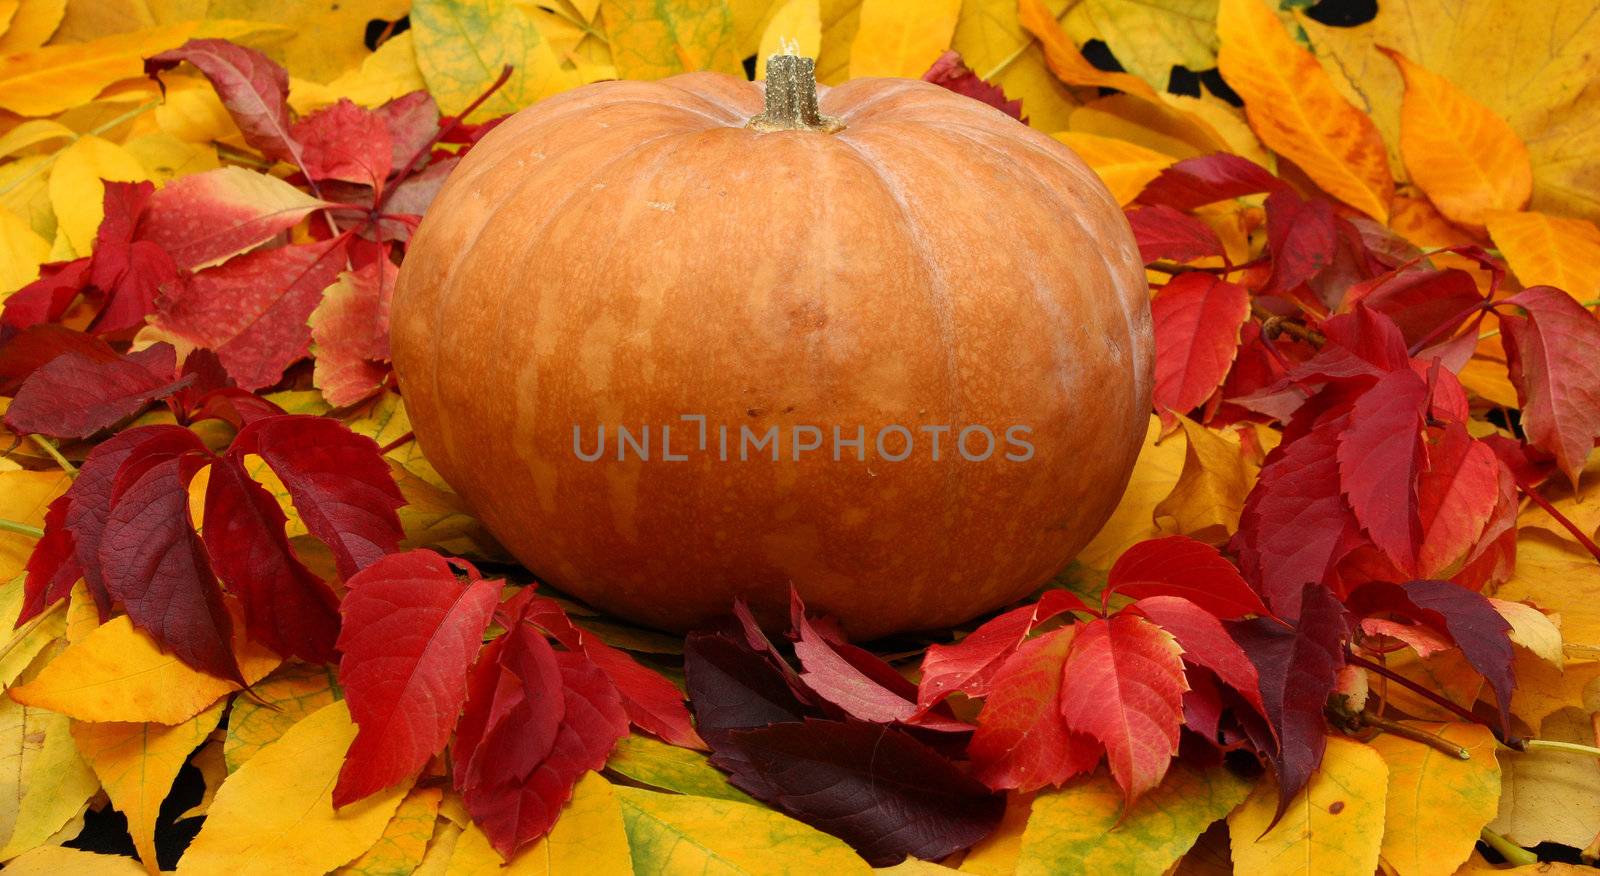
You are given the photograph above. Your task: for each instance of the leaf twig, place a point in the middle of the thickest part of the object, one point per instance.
(1514, 854)
(19, 528)
(1431, 696)
(1532, 493)
(1415, 734)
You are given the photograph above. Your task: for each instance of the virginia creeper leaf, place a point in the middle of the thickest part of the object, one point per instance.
(1380, 455)
(1181, 566)
(1166, 234)
(1551, 352)
(1197, 319)
(1022, 741)
(75, 396)
(1206, 179)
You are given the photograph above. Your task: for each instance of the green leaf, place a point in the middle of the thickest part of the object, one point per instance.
(462, 45)
(670, 833)
(651, 39)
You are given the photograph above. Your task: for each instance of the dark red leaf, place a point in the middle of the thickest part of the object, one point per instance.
(1197, 319)
(1424, 304)
(875, 787)
(338, 480)
(75, 395)
(1165, 233)
(410, 633)
(1206, 179)
(1297, 666)
(36, 346)
(129, 271)
(1551, 352)
(510, 725)
(286, 607)
(1380, 456)
(52, 568)
(949, 71)
(1022, 741)
(47, 298)
(733, 687)
(1301, 238)
(1181, 566)
(345, 142)
(254, 89)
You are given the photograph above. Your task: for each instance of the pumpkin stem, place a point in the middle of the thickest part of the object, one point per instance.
(792, 98)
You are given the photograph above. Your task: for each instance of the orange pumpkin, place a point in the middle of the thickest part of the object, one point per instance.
(666, 257)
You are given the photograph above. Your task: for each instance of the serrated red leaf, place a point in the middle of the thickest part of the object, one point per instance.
(337, 480)
(36, 346)
(969, 666)
(410, 633)
(1456, 496)
(129, 271)
(154, 563)
(286, 607)
(1165, 233)
(346, 142)
(653, 703)
(253, 88)
(1022, 741)
(1197, 319)
(838, 681)
(1301, 238)
(875, 787)
(950, 72)
(1123, 685)
(47, 298)
(52, 567)
(1361, 344)
(75, 395)
(252, 309)
(202, 218)
(513, 711)
(1181, 566)
(350, 330)
(1422, 303)
(1551, 352)
(1206, 179)
(1297, 667)
(1380, 455)
(1205, 642)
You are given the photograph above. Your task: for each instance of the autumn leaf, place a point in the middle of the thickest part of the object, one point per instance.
(899, 38)
(1545, 250)
(695, 832)
(1437, 804)
(203, 219)
(670, 768)
(1334, 825)
(1557, 383)
(1023, 741)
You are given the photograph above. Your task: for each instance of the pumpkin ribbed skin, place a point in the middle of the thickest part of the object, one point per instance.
(629, 253)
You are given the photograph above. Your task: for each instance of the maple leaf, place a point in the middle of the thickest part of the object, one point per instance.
(410, 633)
(1551, 353)
(949, 71)
(1022, 740)
(75, 395)
(1123, 685)
(1180, 566)
(1197, 319)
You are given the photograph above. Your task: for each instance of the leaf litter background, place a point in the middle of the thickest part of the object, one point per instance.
(1372, 247)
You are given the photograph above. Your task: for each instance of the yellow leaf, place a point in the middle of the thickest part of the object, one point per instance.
(1292, 104)
(165, 157)
(46, 81)
(840, 21)
(32, 133)
(1154, 477)
(1082, 828)
(1227, 121)
(652, 40)
(213, 770)
(1150, 38)
(588, 837)
(671, 833)
(1467, 159)
(24, 495)
(56, 860)
(1582, 508)
(1552, 796)
(76, 190)
(462, 46)
(328, 38)
(997, 853)
(1550, 251)
(441, 848)
(902, 37)
(23, 645)
(1559, 577)
(384, 75)
(670, 768)
(796, 30)
(277, 703)
(405, 840)
(32, 25)
(998, 49)
(1543, 690)
(1064, 58)
(83, 616)
(22, 251)
(52, 782)
(191, 111)
(1332, 828)
(1151, 124)
(1437, 804)
(118, 673)
(1124, 167)
(1209, 496)
(1532, 629)
(137, 763)
(275, 815)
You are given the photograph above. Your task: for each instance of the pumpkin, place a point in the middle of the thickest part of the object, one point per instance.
(691, 269)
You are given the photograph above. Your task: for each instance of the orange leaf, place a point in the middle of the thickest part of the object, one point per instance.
(1550, 251)
(1064, 59)
(1294, 106)
(1467, 159)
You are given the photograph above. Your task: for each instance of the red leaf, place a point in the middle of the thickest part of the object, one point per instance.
(836, 680)
(52, 568)
(338, 480)
(351, 331)
(205, 217)
(345, 142)
(515, 812)
(733, 687)
(129, 271)
(1363, 343)
(1197, 319)
(410, 633)
(1205, 642)
(1206, 179)
(950, 72)
(1557, 374)
(969, 666)
(252, 310)
(1165, 233)
(513, 710)
(75, 396)
(154, 563)
(1022, 741)
(286, 607)
(1456, 496)
(1181, 566)
(653, 704)
(36, 346)
(1423, 303)
(1297, 667)
(1301, 238)
(1123, 685)
(253, 88)
(875, 787)
(412, 120)
(1380, 455)
(47, 298)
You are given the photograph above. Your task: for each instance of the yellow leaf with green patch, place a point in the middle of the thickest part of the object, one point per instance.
(671, 833)
(462, 45)
(1437, 803)
(653, 39)
(902, 37)
(670, 768)
(276, 703)
(1332, 828)
(276, 815)
(1082, 828)
(137, 764)
(400, 849)
(43, 782)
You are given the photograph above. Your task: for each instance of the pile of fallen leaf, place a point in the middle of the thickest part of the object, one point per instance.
(1343, 619)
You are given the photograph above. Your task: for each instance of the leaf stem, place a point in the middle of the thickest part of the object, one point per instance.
(455, 122)
(1273, 324)
(1583, 538)
(50, 449)
(1554, 745)
(1464, 713)
(33, 532)
(1514, 854)
(1415, 734)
